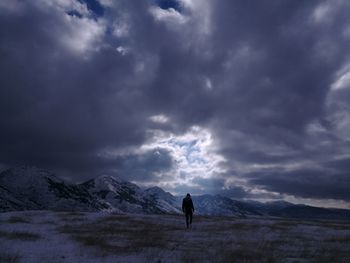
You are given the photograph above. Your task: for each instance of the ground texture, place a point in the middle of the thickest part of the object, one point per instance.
(43, 236)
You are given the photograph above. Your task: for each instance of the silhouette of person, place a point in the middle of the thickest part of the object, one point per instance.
(188, 209)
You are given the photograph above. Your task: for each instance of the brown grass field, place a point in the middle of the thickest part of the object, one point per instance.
(90, 237)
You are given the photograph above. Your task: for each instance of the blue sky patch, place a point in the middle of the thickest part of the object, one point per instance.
(166, 4)
(94, 6)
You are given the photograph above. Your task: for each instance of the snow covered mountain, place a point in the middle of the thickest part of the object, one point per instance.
(31, 188)
(164, 200)
(27, 188)
(123, 196)
(220, 205)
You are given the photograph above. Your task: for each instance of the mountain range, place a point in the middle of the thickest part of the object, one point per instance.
(29, 188)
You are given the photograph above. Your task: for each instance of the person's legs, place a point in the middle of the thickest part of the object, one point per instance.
(190, 215)
(187, 219)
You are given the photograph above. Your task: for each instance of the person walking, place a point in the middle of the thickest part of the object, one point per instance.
(188, 209)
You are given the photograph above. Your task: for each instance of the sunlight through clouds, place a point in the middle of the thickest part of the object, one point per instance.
(194, 154)
(170, 16)
(159, 118)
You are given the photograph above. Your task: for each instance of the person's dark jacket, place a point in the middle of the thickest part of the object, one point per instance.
(187, 205)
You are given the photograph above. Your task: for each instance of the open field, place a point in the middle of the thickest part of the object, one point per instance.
(43, 236)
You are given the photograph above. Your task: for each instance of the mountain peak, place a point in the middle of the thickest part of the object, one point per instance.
(159, 193)
(155, 189)
(106, 182)
(108, 178)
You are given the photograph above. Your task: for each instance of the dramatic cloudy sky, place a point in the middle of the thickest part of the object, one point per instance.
(245, 98)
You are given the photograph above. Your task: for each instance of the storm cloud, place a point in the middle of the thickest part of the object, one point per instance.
(244, 98)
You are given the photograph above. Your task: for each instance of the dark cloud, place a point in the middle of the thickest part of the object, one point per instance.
(145, 167)
(305, 183)
(341, 164)
(267, 79)
(56, 106)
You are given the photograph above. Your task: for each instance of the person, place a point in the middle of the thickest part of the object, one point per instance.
(188, 209)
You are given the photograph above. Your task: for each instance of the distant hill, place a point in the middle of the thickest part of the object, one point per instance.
(27, 188)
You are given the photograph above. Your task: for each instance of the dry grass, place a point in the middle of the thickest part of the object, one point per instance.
(230, 251)
(18, 235)
(17, 219)
(153, 238)
(9, 257)
(48, 222)
(246, 254)
(335, 226)
(105, 234)
(211, 239)
(326, 255)
(72, 216)
(75, 213)
(340, 239)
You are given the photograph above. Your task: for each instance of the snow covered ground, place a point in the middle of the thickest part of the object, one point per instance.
(44, 236)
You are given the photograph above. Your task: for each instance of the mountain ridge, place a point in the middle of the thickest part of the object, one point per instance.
(30, 188)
